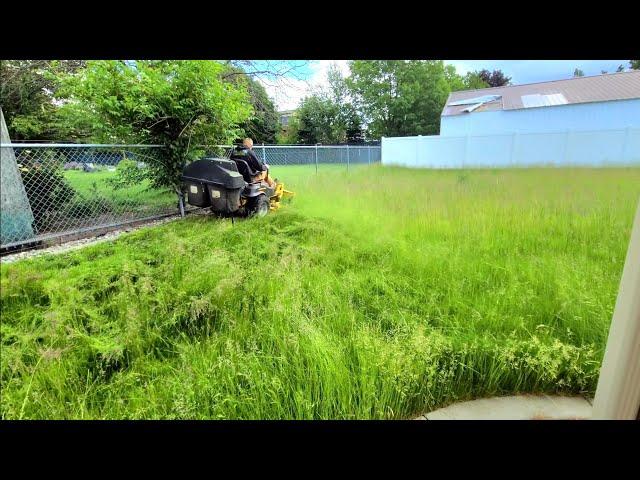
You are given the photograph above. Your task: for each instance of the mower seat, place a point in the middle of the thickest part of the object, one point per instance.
(245, 170)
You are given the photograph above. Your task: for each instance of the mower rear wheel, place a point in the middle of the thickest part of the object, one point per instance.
(258, 206)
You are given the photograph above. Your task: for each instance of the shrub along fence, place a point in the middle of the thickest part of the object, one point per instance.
(51, 191)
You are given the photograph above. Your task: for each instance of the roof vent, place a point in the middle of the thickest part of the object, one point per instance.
(475, 102)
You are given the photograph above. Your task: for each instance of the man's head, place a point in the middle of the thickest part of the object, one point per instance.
(247, 142)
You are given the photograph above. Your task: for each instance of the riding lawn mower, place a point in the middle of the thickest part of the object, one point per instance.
(228, 187)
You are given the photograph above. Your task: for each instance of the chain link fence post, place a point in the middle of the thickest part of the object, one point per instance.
(347, 157)
(181, 203)
(316, 158)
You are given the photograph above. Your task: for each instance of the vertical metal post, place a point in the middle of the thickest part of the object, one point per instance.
(264, 154)
(181, 203)
(316, 158)
(369, 154)
(347, 157)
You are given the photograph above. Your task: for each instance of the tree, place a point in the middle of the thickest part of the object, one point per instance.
(290, 136)
(348, 124)
(400, 97)
(177, 104)
(473, 81)
(634, 64)
(578, 73)
(354, 131)
(317, 120)
(329, 115)
(263, 125)
(494, 79)
(27, 91)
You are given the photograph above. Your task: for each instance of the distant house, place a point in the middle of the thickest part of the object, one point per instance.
(610, 101)
(285, 118)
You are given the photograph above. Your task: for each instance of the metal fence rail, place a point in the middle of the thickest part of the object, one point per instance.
(54, 190)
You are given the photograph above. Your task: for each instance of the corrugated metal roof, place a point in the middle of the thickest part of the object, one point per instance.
(599, 88)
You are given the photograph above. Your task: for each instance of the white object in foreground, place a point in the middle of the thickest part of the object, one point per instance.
(618, 393)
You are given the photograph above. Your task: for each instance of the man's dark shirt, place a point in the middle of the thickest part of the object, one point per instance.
(246, 154)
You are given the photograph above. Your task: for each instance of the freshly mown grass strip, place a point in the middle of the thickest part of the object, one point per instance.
(381, 293)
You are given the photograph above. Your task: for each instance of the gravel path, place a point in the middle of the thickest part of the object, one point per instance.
(76, 244)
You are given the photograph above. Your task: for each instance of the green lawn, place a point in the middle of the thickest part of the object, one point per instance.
(375, 293)
(92, 185)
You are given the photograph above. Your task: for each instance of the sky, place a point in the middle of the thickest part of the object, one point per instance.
(300, 77)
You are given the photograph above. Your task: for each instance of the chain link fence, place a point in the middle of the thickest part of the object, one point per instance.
(311, 155)
(66, 188)
(54, 190)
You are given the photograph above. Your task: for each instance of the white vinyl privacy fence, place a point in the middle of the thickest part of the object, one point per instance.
(568, 148)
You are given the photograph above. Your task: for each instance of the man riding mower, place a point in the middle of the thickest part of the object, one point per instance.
(238, 186)
(245, 152)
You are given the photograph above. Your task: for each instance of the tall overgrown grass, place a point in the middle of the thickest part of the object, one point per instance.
(375, 293)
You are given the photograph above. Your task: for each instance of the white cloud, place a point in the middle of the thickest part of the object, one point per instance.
(320, 69)
(287, 92)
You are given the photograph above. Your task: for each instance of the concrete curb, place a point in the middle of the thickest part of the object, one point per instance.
(516, 407)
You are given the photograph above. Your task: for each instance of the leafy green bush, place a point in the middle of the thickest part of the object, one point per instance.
(128, 173)
(177, 104)
(47, 190)
(126, 164)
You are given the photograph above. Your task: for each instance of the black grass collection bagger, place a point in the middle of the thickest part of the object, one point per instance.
(227, 187)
